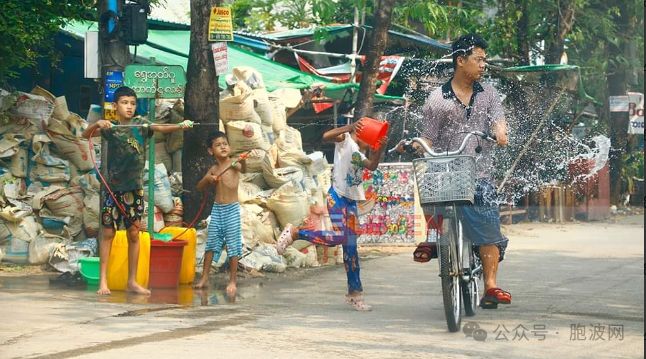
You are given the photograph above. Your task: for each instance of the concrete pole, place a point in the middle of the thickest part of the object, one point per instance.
(115, 56)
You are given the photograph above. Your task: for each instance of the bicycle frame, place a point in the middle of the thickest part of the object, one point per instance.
(437, 225)
(459, 279)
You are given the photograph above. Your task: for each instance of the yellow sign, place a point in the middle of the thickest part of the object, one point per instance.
(109, 112)
(220, 24)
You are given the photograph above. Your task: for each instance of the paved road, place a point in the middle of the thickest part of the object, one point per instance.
(584, 275)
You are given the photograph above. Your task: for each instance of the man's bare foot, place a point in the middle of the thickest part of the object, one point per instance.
(231, 289)
(202, 284)
(137, 289)
(103, 290)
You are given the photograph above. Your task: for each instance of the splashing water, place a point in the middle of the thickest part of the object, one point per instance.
(548, 160)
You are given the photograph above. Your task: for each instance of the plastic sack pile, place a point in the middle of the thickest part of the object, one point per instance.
(49, 189)
(282, 184)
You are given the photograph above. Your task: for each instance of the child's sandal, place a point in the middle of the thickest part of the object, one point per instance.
(358, 304)
(285, 239)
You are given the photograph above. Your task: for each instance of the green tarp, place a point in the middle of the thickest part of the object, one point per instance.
(568, 77)
(172, 48)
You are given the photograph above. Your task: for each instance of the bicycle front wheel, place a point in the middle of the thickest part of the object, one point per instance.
(449, 273)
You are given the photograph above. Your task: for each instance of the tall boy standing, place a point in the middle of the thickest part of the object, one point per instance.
(126, 159)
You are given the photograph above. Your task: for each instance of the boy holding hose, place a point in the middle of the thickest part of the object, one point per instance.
(225, 225)
(123, 199)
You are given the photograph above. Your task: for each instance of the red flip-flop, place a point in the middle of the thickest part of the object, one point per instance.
(489, 300)
(504, 297)
(493, 297)
(424, 252)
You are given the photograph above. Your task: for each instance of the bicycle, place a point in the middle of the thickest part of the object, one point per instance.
(444, 181)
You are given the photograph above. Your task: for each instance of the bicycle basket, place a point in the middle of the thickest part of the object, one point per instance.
(446, 179)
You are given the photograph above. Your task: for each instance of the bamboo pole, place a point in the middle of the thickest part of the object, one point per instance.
(532, 138)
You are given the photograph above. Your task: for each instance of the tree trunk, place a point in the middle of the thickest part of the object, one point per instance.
(618, 86)
(565, 21)
(378, 39)
(522, 34)
(201, 105)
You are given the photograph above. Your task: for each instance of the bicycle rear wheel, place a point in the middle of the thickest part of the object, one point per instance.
(470, 290)
(449, 273)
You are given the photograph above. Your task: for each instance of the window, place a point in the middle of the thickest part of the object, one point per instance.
(85, 98)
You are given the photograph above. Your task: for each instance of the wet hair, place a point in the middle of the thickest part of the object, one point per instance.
(124, 91)
(214, 136)
(463, 47)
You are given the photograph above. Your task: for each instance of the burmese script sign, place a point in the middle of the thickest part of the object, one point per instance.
(220, 24)
(155, 81)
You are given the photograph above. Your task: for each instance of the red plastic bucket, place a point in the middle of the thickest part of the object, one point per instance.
(372, 132)
(165, 263)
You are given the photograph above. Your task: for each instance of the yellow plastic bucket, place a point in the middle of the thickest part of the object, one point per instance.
(187, 273)
(118, 262)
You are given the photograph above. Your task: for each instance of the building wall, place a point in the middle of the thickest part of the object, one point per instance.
(64, 78)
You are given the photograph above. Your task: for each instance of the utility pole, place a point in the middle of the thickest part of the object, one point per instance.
(114, 53)
(114, 56)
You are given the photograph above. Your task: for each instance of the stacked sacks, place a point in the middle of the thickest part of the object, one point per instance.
(262, 106)
(281, 100)
(246, 100)
(241, 122)
(175, 140)
(162, 112)
(49, 191)
(165, 204)
(168, 146)
(281, 178)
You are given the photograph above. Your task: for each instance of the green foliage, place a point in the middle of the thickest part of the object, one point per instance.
(27, 27)
(241, 10)
(633, 168)
(297, 14)
(439, 20)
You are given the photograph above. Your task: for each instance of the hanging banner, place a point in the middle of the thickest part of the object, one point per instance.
(636, 113)
(619, 103)
(113, 80)
(389, 215)
(220, 24)
(220, 57)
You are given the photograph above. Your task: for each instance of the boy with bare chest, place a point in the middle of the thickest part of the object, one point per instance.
(225, 225)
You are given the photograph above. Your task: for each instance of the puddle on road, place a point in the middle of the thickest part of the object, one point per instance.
(182, 296)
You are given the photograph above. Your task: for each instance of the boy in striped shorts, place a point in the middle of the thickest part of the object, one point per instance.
(225, 225)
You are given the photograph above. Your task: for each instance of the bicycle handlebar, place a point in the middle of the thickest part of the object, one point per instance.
(409, 142)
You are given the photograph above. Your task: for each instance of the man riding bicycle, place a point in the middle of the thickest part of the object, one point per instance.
(461, 105)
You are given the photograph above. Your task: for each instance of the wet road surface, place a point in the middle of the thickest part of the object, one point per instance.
(568, 283)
